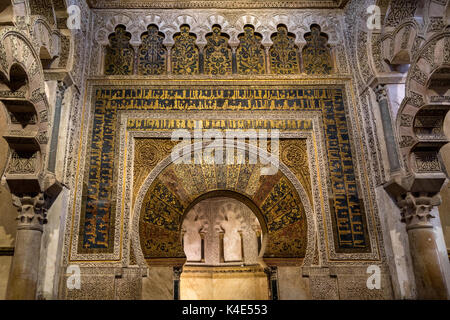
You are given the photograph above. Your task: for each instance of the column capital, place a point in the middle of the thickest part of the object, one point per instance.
(380, 92)
(32, 212)
(416, 209)
(177, 272)
(62, 87)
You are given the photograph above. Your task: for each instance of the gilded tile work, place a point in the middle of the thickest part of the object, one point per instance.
(119, 59)
(180, 184)
(316, 54)
(284, 55)
(185, 53)
(250, 53)
(293, 155)
(152, 53)
(218, 54)
(147, 155)
(349, 220)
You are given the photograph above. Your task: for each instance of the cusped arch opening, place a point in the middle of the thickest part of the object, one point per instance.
(18, 79)
(220, 229)
(46, 58)
(174, 188)
(439, 81)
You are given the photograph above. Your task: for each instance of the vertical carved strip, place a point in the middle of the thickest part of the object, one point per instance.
(388, 129)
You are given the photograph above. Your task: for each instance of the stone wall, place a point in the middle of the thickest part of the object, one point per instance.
(444, 209)
(158, 285)
(8, 214)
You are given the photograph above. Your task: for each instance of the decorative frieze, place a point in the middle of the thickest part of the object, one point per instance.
(119, 59)
(22, 162)
(427, 161)
(406, 141)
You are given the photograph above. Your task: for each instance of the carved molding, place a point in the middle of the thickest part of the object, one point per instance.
(222, 4)
(32, 213)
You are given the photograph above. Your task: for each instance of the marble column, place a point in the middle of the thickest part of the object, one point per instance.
(389, 136)
(136, 48)
(267, 57)
(23, 276)
(233, 58)
(176, 282)
(428, 272)
(169, 58)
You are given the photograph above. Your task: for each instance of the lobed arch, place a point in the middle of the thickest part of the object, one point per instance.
(194, 28)
(415, 135)
(136, 28)
(225, 26)
(283, 19)
(217, 19)
(20, 50)
(103, 34)
(21, 63)
(163, 27)
(246, 20)
(242, 199)
(55, 41)
(326, 24)
(398, 45)
(164, 164)
(234, 195)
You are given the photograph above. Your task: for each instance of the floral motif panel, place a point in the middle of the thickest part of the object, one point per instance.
(218, 55)
(250, 53)
(284, 53)
(185, 53)
(119, 58)
(152, 53)
(316, 54)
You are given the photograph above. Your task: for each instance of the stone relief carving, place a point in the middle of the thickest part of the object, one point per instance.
(201, 22)
(220, 231)
(399, 11)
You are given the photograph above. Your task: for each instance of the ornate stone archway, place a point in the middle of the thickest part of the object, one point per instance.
(171, 182)
(27, 136)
